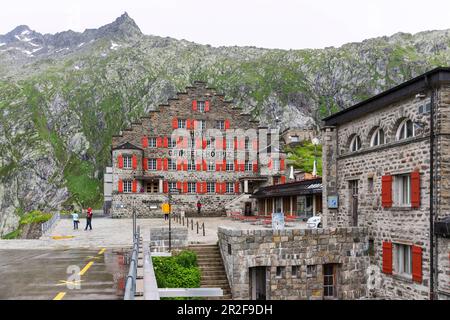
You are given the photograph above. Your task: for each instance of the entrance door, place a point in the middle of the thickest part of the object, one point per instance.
(258, 283)
(248, 209)
(353, 185)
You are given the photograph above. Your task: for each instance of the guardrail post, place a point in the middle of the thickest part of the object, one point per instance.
(197, 227)
(183, 221)
(203, 228)
(192, 224)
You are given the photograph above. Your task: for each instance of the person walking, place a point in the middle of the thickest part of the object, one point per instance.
(89, 219)
(76, 220)
(199, 207)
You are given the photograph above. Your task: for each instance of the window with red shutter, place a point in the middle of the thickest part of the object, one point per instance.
(282, 164)
(205, 188)
(165, 164)
(417, 264)
(159, 142)
(206, 106)
(386, 191)
(144, 142)
(134, 188)
(205, 167)
(218, 165)
(199, 187)
(387, 257)
(165, 187)
(236, 165)
(237, 187)
(194, 105)
(283, 179)
(165, 142)
(185, 187)
(145, 164)
(120, 161)
(255, 166)
(227, 124)
(204, 143)
(188, 124)
(218, 187)
(120, 186)
(158, 164)
(134, 161)
(415, 189)
(198, 166)
(179, 186)
(174, 123)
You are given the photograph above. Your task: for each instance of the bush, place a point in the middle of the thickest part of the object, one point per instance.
(179, 271)
(34, 216)
(12, 235)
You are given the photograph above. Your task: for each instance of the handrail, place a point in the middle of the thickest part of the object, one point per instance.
(130, 286)
(45, 226)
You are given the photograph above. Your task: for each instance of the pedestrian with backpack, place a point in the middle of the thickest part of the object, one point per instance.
(89, 219)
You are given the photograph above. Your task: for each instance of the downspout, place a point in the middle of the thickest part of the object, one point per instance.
(431, 244)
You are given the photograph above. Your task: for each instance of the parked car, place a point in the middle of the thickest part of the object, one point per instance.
(314, 222)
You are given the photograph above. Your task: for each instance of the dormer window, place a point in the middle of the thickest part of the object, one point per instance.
(182, 123)
(127, 161)
(377, 138)
(355, 144)
(201, 106)
(407, 129)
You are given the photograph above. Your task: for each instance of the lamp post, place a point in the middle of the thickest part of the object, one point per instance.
(315, 142)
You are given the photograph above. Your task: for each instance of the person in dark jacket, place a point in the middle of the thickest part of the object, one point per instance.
(199, 207)
(89, 219)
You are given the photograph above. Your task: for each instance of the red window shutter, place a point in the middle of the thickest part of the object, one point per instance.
(194, 105)
(158, 142)
(235, 143)
(174, 123)
(185, 187)
(204, 187)
(179, 165)
(417, 263)
(218, 165)
(224, 143)
(415, 189)
(282, 164)
(165, 142)
(224, 187)
(185, 165)
(144, 142)
(204, 143)
(165, 187)
(165, 164)
(227, 124)
(283, 179)
(224, 165)
(387, 257)
(120, 186)
(255, 144)
(198, 166)
(242, 167)
(145, 164)
(199, 187)
(386, 191)
(255, 166)
(270, 163)
(206, 106)
(218, 187)
(134, 161)
(236, 187)
(188, 124)
(205, 167)
(134, 186)
(120, 161)
(158, 164)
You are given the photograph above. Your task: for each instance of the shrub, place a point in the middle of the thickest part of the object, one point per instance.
(34, 216)
(12, 235)
(186, 259)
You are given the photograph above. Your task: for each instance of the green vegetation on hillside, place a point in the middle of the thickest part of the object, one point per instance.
(31, 217)
(302, 156)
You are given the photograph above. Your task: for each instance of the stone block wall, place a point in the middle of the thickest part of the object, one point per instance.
(159, 237)
(346, 247)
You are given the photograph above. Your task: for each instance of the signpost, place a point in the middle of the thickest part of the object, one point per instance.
(278, 221)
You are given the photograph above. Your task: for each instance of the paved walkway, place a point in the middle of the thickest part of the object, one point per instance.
(117, 233)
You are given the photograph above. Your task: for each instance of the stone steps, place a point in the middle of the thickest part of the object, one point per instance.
(212, 270)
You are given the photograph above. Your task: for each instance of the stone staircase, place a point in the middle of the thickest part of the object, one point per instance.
(237, 204)
(213, 273)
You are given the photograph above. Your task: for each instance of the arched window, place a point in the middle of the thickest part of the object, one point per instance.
(377, 138)
(355, 144)
(406, 129)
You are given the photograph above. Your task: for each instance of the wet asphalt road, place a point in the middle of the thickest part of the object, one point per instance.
(40, 274)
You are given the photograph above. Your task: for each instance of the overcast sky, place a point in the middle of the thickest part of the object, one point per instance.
(286, 24)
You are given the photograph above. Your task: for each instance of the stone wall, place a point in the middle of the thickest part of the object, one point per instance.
(346, 247)
(159, 237)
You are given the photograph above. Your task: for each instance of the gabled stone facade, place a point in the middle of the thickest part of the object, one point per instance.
(385, 187)
(141, 155)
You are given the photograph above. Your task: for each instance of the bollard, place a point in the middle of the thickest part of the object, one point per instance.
(183, 221)
(192, 224)
(203, 226)
(197, 227)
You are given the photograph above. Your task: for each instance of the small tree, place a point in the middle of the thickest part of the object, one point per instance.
(302, 156)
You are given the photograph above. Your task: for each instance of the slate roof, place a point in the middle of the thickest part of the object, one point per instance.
(127, 146)
(297, 188)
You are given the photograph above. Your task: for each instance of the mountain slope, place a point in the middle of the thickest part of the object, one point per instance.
(63, 96)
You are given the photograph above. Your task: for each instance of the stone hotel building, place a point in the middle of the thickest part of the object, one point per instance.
(201, 145)
(386, 164)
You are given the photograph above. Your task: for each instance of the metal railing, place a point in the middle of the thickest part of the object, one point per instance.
(45, 226)
(130, 286)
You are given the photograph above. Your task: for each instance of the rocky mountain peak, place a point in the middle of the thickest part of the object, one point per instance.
(123, 26)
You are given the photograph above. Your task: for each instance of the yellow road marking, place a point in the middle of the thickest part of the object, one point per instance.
(63, 282)
(101, 251)
(59, 296)
(62, 237)
(91, 257)
(86, 267)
